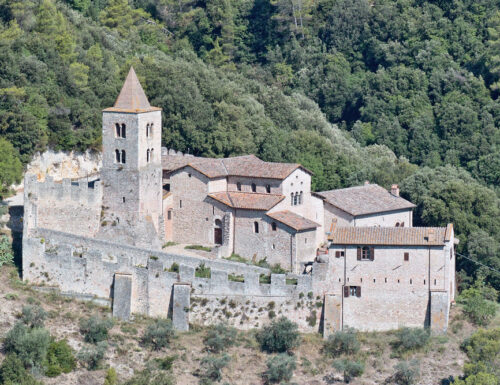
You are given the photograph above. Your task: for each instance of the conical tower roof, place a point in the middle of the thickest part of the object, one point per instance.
(132, 97)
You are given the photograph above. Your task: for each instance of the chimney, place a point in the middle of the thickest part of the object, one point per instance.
(395, 190)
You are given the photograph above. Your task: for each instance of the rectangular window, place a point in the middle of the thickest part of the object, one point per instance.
(352, 291)
(407, 257)
(180, 204)
(169, 215)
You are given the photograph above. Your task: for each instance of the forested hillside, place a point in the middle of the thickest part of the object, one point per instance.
(388, 91)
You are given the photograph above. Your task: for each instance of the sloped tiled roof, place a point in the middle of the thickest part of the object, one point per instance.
(367, 199)
(244, 166)
(248, 201)
(293, 220)
(132, 97)
(399, 236)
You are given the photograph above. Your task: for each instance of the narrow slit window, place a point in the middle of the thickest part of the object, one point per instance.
(268, 189)
(148, 154)
(238, 186)
(124, 130)
(256, 227)
(273, 226)
(254, 187)
(124, 159)
(118, 130)
(117, 156)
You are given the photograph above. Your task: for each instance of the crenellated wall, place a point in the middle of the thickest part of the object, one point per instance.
(94, 265)
(73, 206)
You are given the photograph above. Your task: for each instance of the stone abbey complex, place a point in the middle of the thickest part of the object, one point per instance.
(348, 257)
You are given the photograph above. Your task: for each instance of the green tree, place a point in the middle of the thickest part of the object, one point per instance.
(10, 167)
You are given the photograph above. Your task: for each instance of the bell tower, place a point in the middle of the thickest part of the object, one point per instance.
(131, 168)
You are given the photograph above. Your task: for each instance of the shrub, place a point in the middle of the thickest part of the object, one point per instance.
(280, 336)
(478, 309)
(279, 368)
(220, 337)
(277, 269)
(30, 345)
(150, 376)
(165, 363)
(483, 351)
(91, 356)
(211, 368)
(60, 358)
(411, 338)
(265, 278)
(6, 253)
(174, 268)
(158, 334)
(342, 342)
(349, 369)
(12, 372)
(33, 316)
(202, 271)
(406, 373)
(95, 329)
(111, 377)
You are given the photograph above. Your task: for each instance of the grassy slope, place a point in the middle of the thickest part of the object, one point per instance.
(439, 360)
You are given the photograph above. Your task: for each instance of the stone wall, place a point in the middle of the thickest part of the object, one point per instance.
(99, 267)
(385, 219)
(394, 292)
(72, 206)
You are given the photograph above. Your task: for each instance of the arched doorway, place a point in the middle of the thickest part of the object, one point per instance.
(218, 232)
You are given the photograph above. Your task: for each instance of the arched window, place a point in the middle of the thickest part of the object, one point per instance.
(291, 199)
(238, 186)
(147, 130)
(254, 187)
(124, 130)
(151, 155)
(123, 156)
(150, 129)
(147, 155)
(268, 189)
(295, 198)
(273, 226)
(256, 227)
(300, 198)
(397, 224)
(117, 156)
(118, 130)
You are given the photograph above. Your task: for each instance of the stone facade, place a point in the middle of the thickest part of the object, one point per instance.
(395, 288)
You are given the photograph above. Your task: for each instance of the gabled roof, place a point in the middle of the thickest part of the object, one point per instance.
(366, 199)
(248, 201)
(397, 236)
(132, 97)
(295, 221)
(244, 166)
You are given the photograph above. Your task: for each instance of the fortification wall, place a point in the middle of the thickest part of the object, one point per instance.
(50, 257)
(73, 206)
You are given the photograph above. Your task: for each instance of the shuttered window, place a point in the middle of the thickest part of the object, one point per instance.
(352, 291)
(365, 253)
(407, 256)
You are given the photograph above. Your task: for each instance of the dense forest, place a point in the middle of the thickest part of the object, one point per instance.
(391, 91)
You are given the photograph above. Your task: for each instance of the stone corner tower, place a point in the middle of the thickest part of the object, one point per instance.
(131, 168)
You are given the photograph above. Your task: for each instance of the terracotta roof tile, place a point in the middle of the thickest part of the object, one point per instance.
(248, 201)
(132, 97)
(402, 236)
(244, 166)
(367, 199)
(293, 220)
